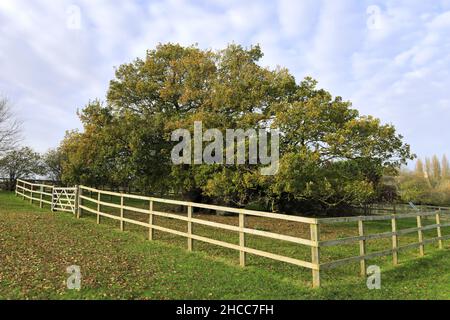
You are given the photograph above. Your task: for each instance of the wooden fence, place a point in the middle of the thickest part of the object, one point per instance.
(34, 192)
(394, 234)
(86, 202)
(64, 199)
(242, 230)
(57, 198)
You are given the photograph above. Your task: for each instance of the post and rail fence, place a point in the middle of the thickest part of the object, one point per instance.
(75, 200)
(57, 198)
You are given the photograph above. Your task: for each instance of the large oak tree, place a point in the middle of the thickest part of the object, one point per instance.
(330, 155)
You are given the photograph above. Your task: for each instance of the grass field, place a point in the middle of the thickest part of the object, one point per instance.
(36, 247)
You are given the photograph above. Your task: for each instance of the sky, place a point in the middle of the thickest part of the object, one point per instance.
(390, 58)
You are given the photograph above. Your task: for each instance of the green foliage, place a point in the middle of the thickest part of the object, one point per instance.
(329, 154)
(427, 186)
(53, 160)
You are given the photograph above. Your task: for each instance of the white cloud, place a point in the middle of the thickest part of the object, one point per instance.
(297, 18)
(407, 84)
(398, 71)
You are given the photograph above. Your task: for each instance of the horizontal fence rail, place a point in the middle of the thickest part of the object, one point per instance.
(80, 199)
(400, 207)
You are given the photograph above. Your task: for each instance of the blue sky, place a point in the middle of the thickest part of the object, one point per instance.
(390, 58)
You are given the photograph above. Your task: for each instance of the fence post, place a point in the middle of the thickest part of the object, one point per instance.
(420, 234)
(40, 196)
(98, 206)
(23, 191)
(362, 247)
(79, 202)
(75, 201)
(122, 224)
(394, 241)
(150, 222)
(31, 196)
(315, 254)
(190, 244)
(439, 231)
(53, 199)
(242, 239)
(17, 187)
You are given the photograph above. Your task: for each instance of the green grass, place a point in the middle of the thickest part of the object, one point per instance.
(36, 247)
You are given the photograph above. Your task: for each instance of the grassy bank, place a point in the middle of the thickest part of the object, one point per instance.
(36, 247)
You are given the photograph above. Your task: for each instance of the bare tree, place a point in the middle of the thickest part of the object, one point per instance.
(9, 127)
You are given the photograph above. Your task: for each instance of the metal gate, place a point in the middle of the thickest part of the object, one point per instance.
(64, 199)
